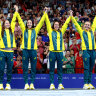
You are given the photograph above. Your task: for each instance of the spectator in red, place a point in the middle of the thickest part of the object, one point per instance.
(93, 71)
(75, 46)
(45, 59)
(24, 7)
(79, 67)
(41, 45)
(78, 37)
(39, 62)
(18, 65)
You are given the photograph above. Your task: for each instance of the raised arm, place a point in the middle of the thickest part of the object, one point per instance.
(0, 32)
(20, 21)
(79, 29)
(93, 27)
(65, 25)
(0, 28)
(40, 24)
(13, 22)
(48, 24)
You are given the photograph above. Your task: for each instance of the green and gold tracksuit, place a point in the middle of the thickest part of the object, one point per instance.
(56, 48)
(7, 41)
(88, 47)
(29, 46)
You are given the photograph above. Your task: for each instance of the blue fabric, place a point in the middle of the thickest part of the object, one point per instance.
(85, 36)
(92, 37)
(25, 38)
(45, 38)
(54, 39)
(5, 10)
(5, 39)
(61, 40)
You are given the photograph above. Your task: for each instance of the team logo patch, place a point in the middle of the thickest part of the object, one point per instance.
(11, 59)
(0, 58)
(34, 58)
(85, 59)
(50, 59)
(23, 58)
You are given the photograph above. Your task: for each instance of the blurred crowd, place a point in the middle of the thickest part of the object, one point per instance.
(84, 10)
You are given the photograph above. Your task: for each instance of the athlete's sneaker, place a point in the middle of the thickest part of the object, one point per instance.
(8, 87)
(32, 86)
(26, 87)
(86, 86)
(60, 87)
(52, 87)
(91, 86)
(1, 87)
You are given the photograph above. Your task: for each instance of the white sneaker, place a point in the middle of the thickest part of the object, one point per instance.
(32, 86)
(52, 87)
(86, 86)
(8, 87)
(60, 87)
(91, 86)
(26, 87)
(1, 87)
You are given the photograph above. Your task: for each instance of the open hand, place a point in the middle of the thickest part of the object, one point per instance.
(71, 13)
(46, 9)
(16, 8)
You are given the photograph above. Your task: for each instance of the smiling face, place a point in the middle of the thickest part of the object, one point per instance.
(71, 52)
(7, 24)
(68, 53)
(56, 25)
(29, 24)
(40, 38)
(87, 26)
(74, 40)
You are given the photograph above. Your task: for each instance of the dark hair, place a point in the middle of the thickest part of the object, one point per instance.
(32, 24)
(3, 29)
(56, 20)
(68, 50)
